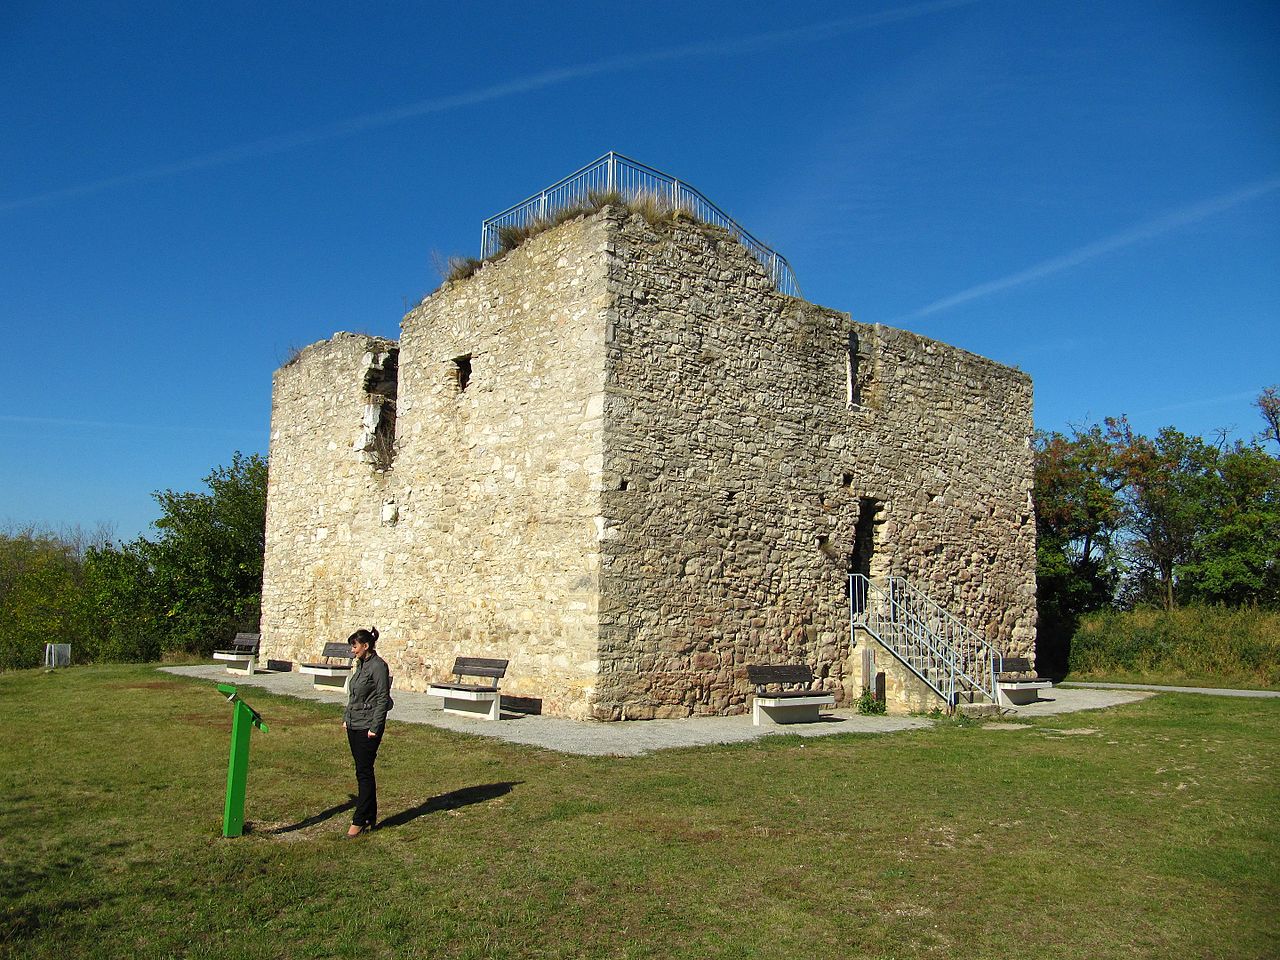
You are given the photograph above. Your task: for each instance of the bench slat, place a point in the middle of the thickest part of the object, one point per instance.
(479, 667)
(760, 674)
(1017, 665)
(465, 687)
(336, 651)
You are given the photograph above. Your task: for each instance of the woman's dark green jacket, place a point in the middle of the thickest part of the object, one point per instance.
(370, 696)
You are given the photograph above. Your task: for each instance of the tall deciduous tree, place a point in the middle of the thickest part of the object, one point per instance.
(1235, 556)
(1077, 518)
(1268, 404)
(198, 582)
(1169, 484)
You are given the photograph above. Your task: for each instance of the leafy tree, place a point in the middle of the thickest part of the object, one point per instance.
(1168, 485)
(120, 591)
(1268, 404)
(198, 582)
(207, 562)
(1077, 517)
(1235, 555)
(40, 583)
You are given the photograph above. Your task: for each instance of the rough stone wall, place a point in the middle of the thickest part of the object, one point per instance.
(654, 476)
(904, 692)
(736, 470)
(328, 568)
(481, 539)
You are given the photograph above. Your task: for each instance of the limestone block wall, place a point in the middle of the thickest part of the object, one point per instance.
(330, 563)
(502, 540)
(620, 459)
(481, 538)
(737, 469)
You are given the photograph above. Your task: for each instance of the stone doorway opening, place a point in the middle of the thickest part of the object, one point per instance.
(864, 541)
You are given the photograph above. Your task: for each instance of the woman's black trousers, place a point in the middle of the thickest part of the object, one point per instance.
(364, 750)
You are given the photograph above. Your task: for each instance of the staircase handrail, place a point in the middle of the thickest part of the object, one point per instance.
(975, 657)
(877, 607)
(904, 614)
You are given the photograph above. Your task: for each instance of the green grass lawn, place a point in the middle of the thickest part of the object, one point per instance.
(1146, 830)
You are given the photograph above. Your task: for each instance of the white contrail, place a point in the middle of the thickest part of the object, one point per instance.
(1090, 251)
(345, 128)
(1202, 402)
(116, 425)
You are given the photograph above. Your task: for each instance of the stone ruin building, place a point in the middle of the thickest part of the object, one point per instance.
(620, 458)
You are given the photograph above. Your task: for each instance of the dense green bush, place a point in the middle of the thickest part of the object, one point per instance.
(1219, 646)
(41, 575)
(193, 586)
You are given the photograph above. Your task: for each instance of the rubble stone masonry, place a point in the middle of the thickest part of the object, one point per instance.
(625, 462)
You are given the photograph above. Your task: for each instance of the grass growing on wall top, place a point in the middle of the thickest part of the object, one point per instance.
(1145, 830)
(656, 209)
(1196, 645)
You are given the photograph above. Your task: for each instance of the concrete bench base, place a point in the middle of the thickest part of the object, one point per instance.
(327, 678)
(484, 704)
(241, 663)
(1015, 693)
(773, 711)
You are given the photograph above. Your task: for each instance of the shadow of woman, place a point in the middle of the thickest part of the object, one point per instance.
(450, 801)
(312, 820)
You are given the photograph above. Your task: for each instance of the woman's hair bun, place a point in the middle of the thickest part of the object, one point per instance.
(369, 636)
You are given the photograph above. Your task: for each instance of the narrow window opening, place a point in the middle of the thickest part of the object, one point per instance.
(381, 386)
(853, 388)
(462, 370)
(623, 484)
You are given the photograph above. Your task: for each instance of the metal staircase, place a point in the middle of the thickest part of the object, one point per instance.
(957, 664)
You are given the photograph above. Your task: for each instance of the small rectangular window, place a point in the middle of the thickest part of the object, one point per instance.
(462, 370)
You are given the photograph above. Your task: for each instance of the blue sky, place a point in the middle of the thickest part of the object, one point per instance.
(1089, 191)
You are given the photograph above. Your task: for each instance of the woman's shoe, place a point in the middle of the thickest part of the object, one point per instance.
(356, 831)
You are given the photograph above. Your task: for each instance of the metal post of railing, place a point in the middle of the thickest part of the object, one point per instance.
(611, 167)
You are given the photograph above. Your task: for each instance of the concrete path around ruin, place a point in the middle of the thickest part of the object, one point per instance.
(1058, 700)
(1157, 688)
(633, 738)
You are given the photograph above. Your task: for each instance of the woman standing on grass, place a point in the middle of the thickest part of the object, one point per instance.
(364, 720)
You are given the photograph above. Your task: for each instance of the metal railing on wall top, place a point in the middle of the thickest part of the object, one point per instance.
(630, 180)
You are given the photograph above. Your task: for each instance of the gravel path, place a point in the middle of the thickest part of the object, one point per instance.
(1058, 700)
(1157, 688)
(570, 736)
(631, 739)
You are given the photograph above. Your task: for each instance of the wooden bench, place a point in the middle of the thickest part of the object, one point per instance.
(796, 700)
(242, 657)
(473, 699)
(333, 672)
(1015, 693)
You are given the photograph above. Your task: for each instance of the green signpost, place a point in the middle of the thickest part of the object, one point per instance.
(243, 720)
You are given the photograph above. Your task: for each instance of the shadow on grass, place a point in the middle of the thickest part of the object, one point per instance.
(45, 896)
(450, 801)
(311, 821)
